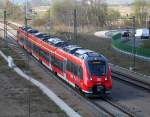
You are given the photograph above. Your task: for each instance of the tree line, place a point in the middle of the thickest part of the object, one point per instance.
(89, 13)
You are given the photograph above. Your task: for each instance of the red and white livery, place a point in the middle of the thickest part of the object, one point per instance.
(83, 69)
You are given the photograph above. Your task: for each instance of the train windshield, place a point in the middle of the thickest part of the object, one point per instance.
(97, 68)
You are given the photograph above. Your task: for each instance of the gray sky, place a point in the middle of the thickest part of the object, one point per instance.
(109, 1)
(119, 1)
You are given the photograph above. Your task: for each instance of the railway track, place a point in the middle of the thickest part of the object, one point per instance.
(105, 104)
(131, 80)
(113, 109)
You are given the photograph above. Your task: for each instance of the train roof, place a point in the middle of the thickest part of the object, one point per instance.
(25, 27)
(83, 51)
(32, 31)
(38, 33)
(76, 50)
(53, 39)
(57, 43)
(71, 48)
(47, 36)
(89, 55)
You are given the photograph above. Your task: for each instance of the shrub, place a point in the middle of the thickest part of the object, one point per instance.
(39, 22)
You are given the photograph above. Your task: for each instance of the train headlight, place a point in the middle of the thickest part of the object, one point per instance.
(90, 78)
(106, 78)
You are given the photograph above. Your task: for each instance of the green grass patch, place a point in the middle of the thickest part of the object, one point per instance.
(116, 41)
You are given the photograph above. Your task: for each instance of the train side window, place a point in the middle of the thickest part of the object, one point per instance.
(58, 63)
(72, 68)
(80, 72)
(61, 65)
(22, 40)
(75, 69)
(53, 60)
(69, 66)
(64, 66)
(36, 49)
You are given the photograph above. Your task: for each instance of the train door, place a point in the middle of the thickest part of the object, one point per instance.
(70, 73)
(49, 61)
(64, 69)
(79, 76)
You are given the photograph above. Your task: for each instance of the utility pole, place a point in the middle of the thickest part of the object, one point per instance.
(149, 24)
(13, 3)
(25, 19)
(75, 25)
(134, 50)
(49, 21)
(27, 56)
(5, 27)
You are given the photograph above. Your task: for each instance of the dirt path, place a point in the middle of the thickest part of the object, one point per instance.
(14, 97)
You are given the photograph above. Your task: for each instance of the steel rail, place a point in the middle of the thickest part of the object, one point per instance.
(131, 80)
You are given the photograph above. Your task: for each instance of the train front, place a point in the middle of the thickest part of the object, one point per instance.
(97, 77)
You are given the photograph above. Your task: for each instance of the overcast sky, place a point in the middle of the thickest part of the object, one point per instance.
(109, 1)
(119, 1)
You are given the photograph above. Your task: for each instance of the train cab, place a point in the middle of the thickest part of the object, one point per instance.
(84, 69)
(97, 74)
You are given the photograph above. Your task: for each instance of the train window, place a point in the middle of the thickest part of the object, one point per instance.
(44, 54)
(68, 66)
(72, 68)
(61, 65)
(97, 68)
(64, 65)
(53, 60)
(28, 44)
(57, 63)
(22, 40)
(75, 69)
(36, 48)
(80, 73)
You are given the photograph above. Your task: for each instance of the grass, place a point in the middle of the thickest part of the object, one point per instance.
(9, 52)
(2, 61)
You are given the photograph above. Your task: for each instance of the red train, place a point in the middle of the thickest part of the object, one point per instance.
(84, 69)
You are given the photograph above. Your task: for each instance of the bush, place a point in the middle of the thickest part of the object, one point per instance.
(39, 22)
